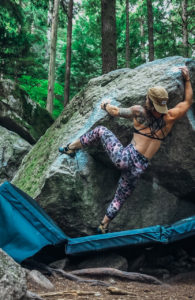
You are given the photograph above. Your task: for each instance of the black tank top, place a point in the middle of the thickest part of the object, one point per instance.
(155, 124)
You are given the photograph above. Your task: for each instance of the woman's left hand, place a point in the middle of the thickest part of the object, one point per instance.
(103, 104)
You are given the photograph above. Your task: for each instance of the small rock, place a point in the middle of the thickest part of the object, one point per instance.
(98, 294)
(59, 264)
(112, 281)
(40, 279)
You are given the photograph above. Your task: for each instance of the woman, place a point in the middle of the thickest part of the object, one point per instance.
(152, 123)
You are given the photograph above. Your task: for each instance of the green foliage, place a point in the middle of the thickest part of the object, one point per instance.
(37, 90)
(86, 47)
(24, 45)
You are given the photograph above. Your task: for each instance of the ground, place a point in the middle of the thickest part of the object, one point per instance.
(179, 287)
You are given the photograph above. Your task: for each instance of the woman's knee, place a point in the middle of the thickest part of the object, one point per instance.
(100, 129)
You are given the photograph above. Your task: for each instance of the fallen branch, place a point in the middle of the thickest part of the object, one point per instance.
(68, 293)
(117, 273)
(76, 278)
(116, 291)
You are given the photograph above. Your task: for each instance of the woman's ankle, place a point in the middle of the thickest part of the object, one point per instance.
(106, 221)
(75, 145)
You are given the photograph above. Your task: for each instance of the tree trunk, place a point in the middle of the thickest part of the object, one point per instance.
(108, 19)
(49, 25)
(185, 26)
(142, 38)
(51, 76)
(150, 30)
(127, 36)
(68, 54)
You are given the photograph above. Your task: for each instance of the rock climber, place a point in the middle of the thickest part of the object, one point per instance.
(152, 123)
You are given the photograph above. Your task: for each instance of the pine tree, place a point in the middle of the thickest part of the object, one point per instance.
(150, 30)
(127, 35)
(109, 51)
(51, 76)
(185, 26)
(68, 54)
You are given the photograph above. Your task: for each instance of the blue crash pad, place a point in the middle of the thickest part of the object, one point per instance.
(25, 229)
(24, 226)
(143, 236)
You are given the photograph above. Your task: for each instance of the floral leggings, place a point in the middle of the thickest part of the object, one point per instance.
(127, 159)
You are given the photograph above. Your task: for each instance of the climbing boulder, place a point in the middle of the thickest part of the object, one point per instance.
(76, 191)
(13, 284)
(20, 114)
(13, 149)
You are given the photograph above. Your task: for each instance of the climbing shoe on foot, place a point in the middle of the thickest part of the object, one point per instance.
(101, 229)
(67, 150)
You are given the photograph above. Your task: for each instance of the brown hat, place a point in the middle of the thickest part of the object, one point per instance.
(159, 97)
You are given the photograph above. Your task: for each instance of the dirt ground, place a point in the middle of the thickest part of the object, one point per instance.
(180, 287)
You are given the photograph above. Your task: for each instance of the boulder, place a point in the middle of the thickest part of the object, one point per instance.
(13, 149)
(12, 279)
(105, 260)
(76, 191)
(20, 114)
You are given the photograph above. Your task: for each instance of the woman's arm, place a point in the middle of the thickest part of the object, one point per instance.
(127, 113)
(181, 108)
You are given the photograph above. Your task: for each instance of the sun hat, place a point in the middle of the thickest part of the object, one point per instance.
(159, 97)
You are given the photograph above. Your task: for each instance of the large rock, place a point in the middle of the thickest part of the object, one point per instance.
(105, 260)
(20, 114)
(75, 192)
(13, 149)
(12, 279)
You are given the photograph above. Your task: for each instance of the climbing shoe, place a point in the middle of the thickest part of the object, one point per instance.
(67, 150)
(101, 229)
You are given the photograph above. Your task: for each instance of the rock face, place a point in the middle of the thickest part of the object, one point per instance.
(20, 114)
(22, 123)
(75, 192)
(12, 279)
(13, 149)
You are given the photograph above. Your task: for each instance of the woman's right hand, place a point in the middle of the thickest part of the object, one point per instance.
(185, 73)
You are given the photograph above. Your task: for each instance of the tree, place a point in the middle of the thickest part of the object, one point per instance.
(150, 30)
(185, 26)
(108, 20)
(49, 26)
(51, 76)
(68, 54)
(142, 42)
(127, 35)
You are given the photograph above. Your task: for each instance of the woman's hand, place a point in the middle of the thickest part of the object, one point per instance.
(185, 73)
(110, 109)
(104, 104)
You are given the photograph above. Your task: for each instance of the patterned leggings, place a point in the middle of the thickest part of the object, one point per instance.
(127, 159)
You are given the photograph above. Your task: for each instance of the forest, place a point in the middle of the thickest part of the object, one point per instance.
(52, 48)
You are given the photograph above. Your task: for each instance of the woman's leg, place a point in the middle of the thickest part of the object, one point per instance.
(113, 147)
(120, 157)
(126, 185)
(110, 143)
